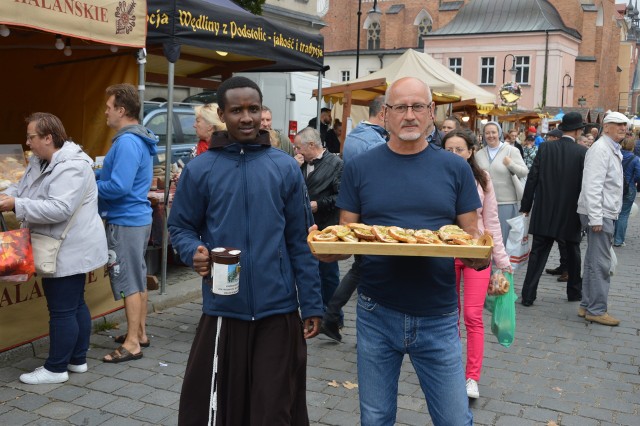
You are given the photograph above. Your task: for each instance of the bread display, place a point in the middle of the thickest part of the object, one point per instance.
(12, 166)
(359, 232)
(498, 285)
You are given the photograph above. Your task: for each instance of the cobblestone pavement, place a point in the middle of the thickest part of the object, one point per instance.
(560, 368)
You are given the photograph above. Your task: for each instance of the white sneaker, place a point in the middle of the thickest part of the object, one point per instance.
(472, 389)
(41, 376)
(77, 368)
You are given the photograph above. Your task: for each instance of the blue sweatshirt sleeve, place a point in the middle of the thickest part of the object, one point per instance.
(125, 163)
(298, 219)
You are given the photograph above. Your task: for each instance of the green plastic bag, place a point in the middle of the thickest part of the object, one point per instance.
(503, 314)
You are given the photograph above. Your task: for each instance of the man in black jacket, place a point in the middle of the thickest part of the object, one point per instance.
(555, 181)
(322, 171)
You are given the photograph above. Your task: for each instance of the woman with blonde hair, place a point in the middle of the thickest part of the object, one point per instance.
(206, 124)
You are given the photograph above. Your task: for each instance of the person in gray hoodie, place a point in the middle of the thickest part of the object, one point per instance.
(123, 185)
(57, 184)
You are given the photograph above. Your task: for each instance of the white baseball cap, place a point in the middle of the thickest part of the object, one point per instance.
(615, 117)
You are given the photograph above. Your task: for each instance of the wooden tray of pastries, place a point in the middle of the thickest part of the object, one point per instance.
(357, 238)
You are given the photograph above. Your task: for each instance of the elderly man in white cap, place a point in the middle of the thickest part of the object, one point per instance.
(599, 203)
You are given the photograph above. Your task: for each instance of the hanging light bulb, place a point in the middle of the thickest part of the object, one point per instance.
(67, 47)
(113, 48)
(59, 43)
(4, 30)
(222, 53)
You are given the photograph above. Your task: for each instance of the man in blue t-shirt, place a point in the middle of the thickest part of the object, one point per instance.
(408, 305)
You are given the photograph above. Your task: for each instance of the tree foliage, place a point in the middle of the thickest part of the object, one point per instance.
(253, 6)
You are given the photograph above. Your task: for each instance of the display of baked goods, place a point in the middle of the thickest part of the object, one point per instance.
(12, 165)
(498, 285)
(359, 238)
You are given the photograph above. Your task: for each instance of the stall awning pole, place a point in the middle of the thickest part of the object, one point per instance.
(167, 181)
(142, 60)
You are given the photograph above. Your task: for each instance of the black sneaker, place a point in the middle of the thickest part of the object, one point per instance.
(331, 331)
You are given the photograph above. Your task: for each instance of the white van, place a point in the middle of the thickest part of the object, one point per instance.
(289, 96)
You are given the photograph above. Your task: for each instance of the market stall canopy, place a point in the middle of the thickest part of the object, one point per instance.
(446, 86)
(59, 59)
(218, 38)
(115, 22)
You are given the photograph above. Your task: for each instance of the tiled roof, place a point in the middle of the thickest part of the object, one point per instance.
(505, 16)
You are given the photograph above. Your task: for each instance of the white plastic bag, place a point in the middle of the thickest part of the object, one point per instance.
(614, 261)
(518, 245)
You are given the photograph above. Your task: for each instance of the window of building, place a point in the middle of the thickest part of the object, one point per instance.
(346, 75)
(373, 36)
(523, 64)
(455, 65)
(487, 70)
(424, 28)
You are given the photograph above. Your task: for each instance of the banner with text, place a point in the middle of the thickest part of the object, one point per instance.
(24, 316)
(119, 22)
(209, 25)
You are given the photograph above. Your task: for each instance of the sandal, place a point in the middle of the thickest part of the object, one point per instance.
(120, 339)
(122, 355)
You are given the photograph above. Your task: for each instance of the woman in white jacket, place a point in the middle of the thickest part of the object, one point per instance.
(58, 181)
(502, 161)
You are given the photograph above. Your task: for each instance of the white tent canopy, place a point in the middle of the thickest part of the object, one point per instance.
(412, 63)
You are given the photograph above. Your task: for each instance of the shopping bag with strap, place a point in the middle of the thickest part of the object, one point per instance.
(518, 244)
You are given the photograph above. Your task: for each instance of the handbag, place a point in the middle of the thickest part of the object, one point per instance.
(16, 255)
(45, 248)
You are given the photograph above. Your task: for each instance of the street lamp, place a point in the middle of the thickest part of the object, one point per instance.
(582, 101)
(372, 12)
(563, 86)
(513, 70)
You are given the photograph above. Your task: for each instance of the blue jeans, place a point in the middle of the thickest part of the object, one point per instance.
(329, 280)
(433, 345)
(623, 217)
(69, 322)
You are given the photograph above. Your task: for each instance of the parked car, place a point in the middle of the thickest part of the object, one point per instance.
(184, 135)
(206, 97)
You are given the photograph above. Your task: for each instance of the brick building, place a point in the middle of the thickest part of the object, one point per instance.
(552, 43)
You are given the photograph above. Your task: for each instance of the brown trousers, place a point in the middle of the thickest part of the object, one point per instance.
(261, 373)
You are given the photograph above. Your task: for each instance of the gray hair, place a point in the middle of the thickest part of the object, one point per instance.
(309, 134)
(376, 105)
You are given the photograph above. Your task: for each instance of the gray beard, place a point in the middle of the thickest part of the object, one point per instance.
(409, 137)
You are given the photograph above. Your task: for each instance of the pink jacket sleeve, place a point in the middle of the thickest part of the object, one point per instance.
(488, 220)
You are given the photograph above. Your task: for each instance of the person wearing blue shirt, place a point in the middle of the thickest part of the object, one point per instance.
(123, 185)
(408, 305)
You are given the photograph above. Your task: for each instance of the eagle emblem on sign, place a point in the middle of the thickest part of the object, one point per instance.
(125, 18)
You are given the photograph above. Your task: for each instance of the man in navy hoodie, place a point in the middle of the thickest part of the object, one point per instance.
(247, 364)
(123, 184)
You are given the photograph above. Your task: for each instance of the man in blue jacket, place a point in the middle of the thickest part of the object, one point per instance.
(242, 194)
(123, 185)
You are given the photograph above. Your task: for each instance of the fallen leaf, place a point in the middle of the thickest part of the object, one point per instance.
(349, 385)
(557, 389)
(552, 423)
(333, 383)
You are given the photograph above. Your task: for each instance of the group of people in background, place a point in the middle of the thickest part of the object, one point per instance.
(248, 358)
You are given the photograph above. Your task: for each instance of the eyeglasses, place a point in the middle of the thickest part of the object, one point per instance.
(31, 135)
(458, 150)
(402, 109)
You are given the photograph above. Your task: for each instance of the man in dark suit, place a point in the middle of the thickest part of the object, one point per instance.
(555, 181)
